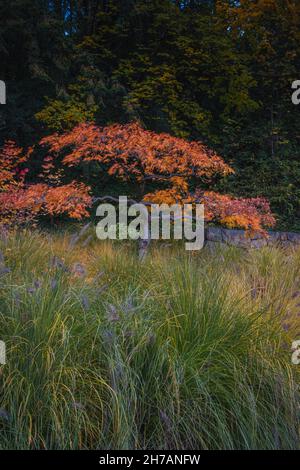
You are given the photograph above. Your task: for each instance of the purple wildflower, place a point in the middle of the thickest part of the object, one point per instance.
(111, 313)
(79, 270)
(78, 406)
(4, 270)
(102, 289)
(4, 414)
(58, 264)
(128, 334)
(31, 290)
(165, 419)
(108, 336)
(128, 305)
(85, 302)
(53, 284)
(37, 284)
(17, 298)
(151, 338)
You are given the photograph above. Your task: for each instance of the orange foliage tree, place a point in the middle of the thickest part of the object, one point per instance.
(139, 156)
(21, 203)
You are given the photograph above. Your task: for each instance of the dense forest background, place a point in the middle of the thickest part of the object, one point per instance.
(218, 71)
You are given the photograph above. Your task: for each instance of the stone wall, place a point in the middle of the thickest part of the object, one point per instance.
(239, 238)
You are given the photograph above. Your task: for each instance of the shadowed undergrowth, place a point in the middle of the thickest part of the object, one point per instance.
(182, 351)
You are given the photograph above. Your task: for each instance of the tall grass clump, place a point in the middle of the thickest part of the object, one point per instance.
(181, 351)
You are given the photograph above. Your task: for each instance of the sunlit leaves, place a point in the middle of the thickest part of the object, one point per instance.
(136, 155)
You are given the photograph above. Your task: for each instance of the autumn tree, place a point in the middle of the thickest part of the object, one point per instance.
(182, 170)
(218, 71)
(12, 176)
(21, 203)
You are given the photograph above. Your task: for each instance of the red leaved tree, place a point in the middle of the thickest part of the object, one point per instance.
(21, 203)
(139, 156)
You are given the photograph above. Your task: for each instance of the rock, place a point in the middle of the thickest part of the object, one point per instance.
(214, 234)
(216, 237)
(294, 237)
(283, 236)
(259, 243)
(273, 237)
(237, 238)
